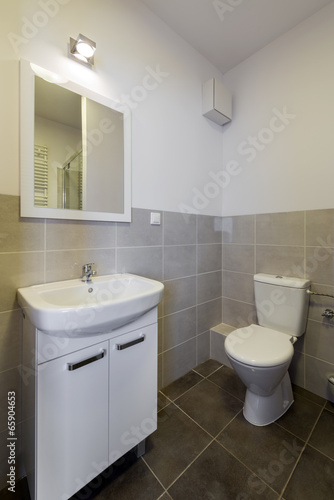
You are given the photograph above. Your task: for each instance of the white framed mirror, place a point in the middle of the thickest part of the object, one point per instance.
(75, 151)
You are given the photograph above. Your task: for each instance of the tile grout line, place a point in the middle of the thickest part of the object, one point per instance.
(242, 463)
(194, 460)
(301, 453)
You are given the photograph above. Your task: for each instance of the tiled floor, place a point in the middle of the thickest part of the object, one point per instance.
(204, 449)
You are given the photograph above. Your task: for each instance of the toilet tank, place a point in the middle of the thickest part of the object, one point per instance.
(282, 303)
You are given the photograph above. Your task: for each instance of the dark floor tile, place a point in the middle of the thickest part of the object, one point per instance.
(308, 395)
(175, 444)
(216, 409)
(322, 437)
(300, 417)
(181, 385)
(313, 478)
(96, 488)
(205, 369)
(269, 451)
(330, 406)
(21, 491)
(226, 378)
(162, 401)
(217, 475)
(137, 483)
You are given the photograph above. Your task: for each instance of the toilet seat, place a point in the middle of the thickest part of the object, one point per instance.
(259, 346)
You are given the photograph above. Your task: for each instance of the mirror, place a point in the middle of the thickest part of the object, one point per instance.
(75, 152)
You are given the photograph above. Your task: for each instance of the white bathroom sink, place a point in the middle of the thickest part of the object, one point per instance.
(74, 309)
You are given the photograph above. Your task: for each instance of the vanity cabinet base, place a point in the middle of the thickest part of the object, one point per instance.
(89, 404)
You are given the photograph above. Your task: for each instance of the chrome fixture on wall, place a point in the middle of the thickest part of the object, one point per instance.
(82, 49)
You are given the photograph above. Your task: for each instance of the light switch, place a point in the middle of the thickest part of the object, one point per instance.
(155, 218)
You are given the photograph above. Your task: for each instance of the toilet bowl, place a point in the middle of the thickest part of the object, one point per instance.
(261, 354)
(261, 358)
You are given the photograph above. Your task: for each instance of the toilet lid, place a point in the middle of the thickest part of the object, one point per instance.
(259, 346)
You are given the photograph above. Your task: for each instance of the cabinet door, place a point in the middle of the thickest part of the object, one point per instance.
(133, 389)
(72, 421)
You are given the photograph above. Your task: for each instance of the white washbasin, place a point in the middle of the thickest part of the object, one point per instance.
(73, 308)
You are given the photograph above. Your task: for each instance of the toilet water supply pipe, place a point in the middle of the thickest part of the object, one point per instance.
(322, 294)
(330, 377)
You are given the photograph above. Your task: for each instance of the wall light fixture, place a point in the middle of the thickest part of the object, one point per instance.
(83, 49)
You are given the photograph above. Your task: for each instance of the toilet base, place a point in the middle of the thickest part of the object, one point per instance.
(264, 410)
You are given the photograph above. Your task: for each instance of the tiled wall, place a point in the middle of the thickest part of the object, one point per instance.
(298, 244)
(185, 252)
(205, 281)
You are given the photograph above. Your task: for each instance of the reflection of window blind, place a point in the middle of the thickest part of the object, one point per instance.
(41, 176)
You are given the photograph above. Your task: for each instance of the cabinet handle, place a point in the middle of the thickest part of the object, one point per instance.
(120, 347)
(75, 366)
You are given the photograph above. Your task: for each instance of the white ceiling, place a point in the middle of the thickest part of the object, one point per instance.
(226, 32)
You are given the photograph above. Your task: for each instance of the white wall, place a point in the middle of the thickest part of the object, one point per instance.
(138, 59)
(290, 166)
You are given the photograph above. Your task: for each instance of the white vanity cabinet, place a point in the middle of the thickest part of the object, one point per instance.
(133, 378)
(72, 421)
(91, 400)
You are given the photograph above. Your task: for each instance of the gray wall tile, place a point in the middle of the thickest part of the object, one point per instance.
(238, 258)
(139, 232)
(238, 314)
(18, 234)
(19, 270)
(209, 229)
(202, 347)
(217, 348)
(275, 229)
(209, 314)
(319, 340)
(69, 235)
(178, 361)
(179, 261)
(179, 229)
(239, 229)
(178, 327)
(319, 267)
(238, 286)
(179, 294)
(284, 260)
(10, 339)
(144, 261)
(320, 228)
(209, 286)
(209, 258)
(67, 264)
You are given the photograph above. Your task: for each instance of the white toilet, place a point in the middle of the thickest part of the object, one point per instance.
(261, 354)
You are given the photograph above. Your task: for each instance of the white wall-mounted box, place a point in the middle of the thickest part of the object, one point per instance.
(216, 101)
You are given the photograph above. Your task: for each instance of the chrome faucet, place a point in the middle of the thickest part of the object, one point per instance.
(87, 272)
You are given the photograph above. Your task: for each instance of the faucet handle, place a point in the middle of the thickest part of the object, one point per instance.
(86, 268)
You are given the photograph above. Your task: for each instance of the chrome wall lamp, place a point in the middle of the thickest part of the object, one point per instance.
(82, 49)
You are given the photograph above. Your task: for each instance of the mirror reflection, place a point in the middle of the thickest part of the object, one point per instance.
(78, 152)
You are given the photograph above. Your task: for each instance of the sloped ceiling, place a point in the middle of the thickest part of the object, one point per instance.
(226, 32)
